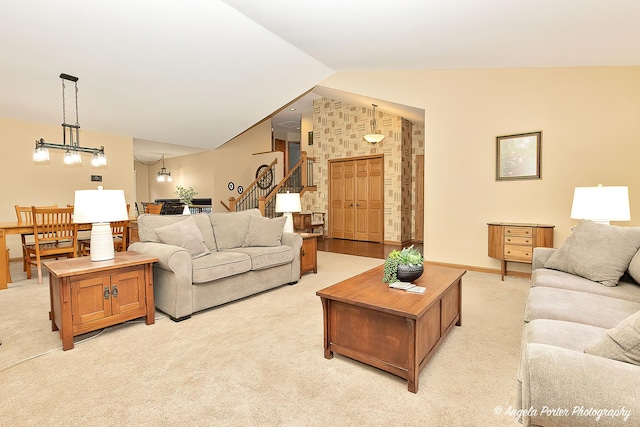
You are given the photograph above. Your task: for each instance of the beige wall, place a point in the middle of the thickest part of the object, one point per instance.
(210, 172)
(27, 183)
(589, 118)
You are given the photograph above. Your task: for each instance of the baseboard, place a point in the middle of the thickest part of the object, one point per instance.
(522, 274)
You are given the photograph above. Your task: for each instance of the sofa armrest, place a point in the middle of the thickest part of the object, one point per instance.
(568, 380)
(171, 258)
(540, 256)
(295, 241)
(172, 277)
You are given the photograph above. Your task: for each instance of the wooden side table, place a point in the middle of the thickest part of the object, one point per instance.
(86, 296)
(516, 241)
(309, 252)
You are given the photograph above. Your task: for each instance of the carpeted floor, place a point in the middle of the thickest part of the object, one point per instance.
(258, 361)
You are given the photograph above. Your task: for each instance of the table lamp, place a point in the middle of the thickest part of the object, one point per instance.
(601, 204)
(288, 203)
(100, 207)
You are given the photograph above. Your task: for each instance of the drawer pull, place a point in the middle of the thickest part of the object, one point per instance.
(114, 291)
(106, 292)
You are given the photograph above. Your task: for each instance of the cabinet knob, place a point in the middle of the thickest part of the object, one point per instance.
(303, 252)
(106, 292)
(114, 291)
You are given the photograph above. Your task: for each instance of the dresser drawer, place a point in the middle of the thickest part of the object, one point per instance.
(516, 240)
(517, 253)
(518, 231)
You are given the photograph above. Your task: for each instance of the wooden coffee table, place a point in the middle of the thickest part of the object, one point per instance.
(391, 329)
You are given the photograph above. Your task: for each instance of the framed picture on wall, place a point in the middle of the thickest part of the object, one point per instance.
(518, 156)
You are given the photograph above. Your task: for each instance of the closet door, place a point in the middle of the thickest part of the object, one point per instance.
(356, 204)
(375, 206)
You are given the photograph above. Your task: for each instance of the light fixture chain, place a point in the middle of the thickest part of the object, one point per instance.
(77, 120)
(64, 111)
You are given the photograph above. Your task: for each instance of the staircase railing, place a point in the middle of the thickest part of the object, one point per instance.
(260, 187)
(298, 180)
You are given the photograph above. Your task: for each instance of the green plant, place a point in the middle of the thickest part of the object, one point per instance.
(185, 194)
(407, 256)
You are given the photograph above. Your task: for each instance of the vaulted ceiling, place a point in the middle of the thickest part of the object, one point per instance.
(196, 73)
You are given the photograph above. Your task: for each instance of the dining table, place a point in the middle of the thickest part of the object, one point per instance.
(7, 228)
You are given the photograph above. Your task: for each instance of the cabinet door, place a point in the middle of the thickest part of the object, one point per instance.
(90, 299)
(128, 292)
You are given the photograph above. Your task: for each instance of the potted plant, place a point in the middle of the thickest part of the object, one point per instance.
(405, 265)
(186, 196)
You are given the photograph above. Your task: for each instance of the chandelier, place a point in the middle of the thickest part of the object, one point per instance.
(163, 175)
(71, 147)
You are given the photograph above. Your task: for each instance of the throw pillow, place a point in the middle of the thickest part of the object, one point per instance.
(622, 342)
(264, 231)
(185, 234)
(597, 252)
(230, 229)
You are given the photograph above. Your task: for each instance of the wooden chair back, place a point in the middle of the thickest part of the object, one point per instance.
(119, 231)
(153, 208)
(55, 235)
(25, 214)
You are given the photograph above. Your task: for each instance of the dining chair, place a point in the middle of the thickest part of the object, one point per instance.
(54, 234)
(25, 217)
(153, 208)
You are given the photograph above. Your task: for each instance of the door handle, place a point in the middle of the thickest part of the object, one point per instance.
(106, 292)
(351, 205)
(114, 290)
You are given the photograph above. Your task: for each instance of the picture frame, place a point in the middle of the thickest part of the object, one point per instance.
(518, 156)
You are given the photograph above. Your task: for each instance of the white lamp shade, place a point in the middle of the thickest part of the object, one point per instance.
(288, 202)
(91, 206)
(373, 138)
(601, 204)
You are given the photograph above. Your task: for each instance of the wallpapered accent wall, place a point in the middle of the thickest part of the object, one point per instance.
(338, 129)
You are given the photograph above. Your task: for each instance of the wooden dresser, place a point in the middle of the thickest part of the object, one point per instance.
(515, 241)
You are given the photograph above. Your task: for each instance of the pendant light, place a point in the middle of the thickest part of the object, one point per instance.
(163, 175)
(374, 137)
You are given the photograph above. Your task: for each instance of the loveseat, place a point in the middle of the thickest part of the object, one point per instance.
(580, 352)
(206, 260)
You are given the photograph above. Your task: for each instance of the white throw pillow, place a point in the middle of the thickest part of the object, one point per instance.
(264, 231)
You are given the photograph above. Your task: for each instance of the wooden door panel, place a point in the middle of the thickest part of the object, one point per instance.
(88, 299)
(336, 201)
(131, 291)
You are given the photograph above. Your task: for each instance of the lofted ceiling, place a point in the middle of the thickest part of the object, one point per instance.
(181, 77)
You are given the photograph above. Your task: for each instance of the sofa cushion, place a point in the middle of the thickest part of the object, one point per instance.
(185, 234)
(620, 343)
(579, 307)
(231, 228)
(560, 333)
(218, 265)
(147, 223)
(598, 252)
(266, 257)
(634, 267)
(625, 289)
(264, 231)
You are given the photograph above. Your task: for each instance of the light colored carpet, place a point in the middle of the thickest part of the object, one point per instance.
(258, 361)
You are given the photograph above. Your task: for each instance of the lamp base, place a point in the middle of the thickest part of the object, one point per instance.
(288, 224)
(101, 242)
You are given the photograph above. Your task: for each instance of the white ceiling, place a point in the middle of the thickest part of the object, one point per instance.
(196, 73)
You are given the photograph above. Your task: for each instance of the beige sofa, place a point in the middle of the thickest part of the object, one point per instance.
(206, 260)
(581, 341)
